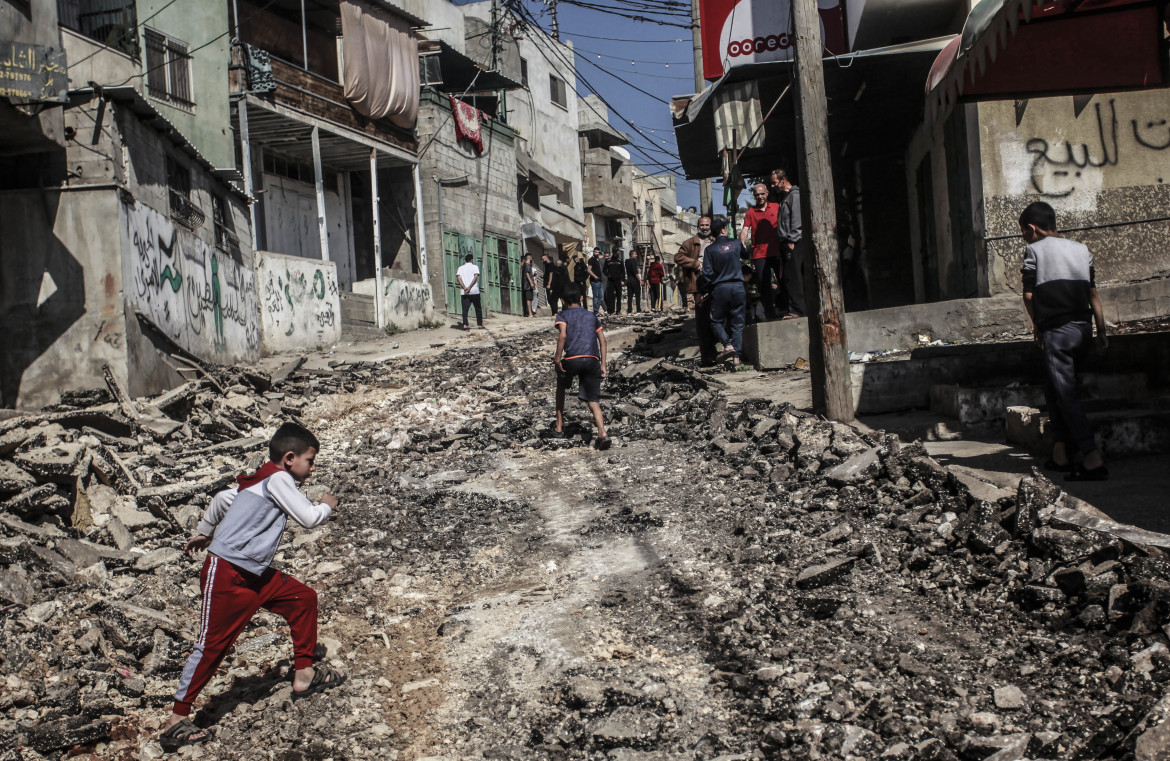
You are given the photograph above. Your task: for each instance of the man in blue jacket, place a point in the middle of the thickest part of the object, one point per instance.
(722, 277)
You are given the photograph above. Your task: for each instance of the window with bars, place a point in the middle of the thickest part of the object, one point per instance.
(168, 69)
(225, 228)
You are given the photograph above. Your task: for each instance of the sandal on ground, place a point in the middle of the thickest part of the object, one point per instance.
(181, 734)
(556, 434)
(1081, 473)
(1051, 464)
(725, 355)
(323, 679)
(603, 443)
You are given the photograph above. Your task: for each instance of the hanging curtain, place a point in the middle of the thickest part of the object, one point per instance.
(381, 63)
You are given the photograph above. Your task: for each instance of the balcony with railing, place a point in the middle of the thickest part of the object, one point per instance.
(113, 23)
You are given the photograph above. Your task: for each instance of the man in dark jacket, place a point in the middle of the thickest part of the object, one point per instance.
(792, 246)
(633, 283)
(722, 275)
(595, 280)
(615, 273)
(581, 278)
(689, 261)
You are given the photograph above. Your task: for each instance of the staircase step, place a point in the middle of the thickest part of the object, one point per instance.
(1120, 432)
(358, 306)
(987, 406)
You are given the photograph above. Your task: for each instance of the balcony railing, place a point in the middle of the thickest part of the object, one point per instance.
(113, 23)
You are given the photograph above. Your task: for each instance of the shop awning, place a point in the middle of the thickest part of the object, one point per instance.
(1013, 49)
(874, 98)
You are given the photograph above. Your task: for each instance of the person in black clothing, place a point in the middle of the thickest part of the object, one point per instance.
(581, 278)
(557, 278)
(595, 280)
(633, 283)
(616, 273)
(722, 276)
(547, 281)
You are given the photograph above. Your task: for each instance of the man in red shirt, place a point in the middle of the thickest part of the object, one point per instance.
(762, 221)
(655, 275)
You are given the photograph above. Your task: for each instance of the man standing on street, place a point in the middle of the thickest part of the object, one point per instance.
(468, 278)
(762, 221)
(655, 275)
(722, 273)
(633, 283)
(791, 243)
(614, 273)
(689, 260)
(547, 281)
(596, 285)
(580, 273)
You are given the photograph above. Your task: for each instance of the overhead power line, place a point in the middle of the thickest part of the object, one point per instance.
(644, 150)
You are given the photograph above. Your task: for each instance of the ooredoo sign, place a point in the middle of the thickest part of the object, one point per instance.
(748, 31)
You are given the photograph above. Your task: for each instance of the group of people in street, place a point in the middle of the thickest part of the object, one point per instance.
(724, 289)
(601, 279)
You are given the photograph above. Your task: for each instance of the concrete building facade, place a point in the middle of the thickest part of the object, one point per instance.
(607, 179)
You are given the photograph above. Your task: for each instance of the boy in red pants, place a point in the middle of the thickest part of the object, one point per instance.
(241, 531)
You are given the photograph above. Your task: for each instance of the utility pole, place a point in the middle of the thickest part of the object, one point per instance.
(831, 386)
(495, 34)
(556, 28)
(700, 82)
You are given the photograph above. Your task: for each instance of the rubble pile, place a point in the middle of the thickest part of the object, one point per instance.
(815, 592)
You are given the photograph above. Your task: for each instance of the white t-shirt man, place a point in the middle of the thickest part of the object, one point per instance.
(468, 275)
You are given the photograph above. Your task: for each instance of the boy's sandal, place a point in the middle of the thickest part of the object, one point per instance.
(1081, 473)
(603, 443)
(323, 679)
(1051, 464)
(181, 734)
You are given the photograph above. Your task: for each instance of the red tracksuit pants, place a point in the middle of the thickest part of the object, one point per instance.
(230, 598)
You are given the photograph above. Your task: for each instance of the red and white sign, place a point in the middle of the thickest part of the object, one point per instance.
(749, 31)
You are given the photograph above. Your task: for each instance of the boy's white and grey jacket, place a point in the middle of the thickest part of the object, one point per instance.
(245, 526)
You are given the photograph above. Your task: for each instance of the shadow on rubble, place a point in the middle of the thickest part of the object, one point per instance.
(247, 689)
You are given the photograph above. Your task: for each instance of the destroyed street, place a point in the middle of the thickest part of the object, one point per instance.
(734, 579)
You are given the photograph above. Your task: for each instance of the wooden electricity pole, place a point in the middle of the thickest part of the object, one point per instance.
(831, 387)
(705, 201)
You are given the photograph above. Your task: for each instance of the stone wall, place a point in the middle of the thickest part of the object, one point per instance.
(776, 344)
(300, 307)
(201, 297)
(1099, 161)
(62, 307)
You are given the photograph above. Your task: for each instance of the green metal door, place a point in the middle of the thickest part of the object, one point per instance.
(515, 282)
(491, 267)
(451, 262)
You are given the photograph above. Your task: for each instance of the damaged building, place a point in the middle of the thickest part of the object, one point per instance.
(196, 184)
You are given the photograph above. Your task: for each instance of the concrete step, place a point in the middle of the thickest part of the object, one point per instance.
(1120, 432)
(360, 331)
(987, 406)
(358, 307)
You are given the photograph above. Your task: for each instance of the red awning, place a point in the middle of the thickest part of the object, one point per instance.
(1025, 49)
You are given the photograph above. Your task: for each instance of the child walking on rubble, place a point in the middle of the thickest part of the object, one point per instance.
(241, 530)
(581, 353)
(1060, 294)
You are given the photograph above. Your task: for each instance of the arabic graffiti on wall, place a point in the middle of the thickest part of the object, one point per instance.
(301, 304)
(1110, 144)
(199, 296)
(407, 303)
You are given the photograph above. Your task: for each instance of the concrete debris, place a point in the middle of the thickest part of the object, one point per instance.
(732, 580)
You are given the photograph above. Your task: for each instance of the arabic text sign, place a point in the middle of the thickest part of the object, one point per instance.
(33, 72)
